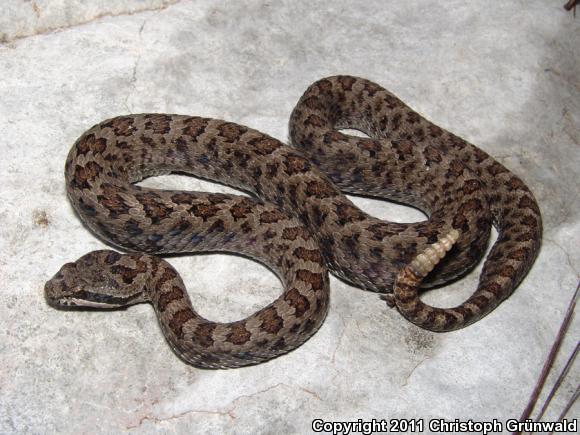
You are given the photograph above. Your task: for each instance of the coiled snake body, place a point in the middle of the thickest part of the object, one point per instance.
(298, 220)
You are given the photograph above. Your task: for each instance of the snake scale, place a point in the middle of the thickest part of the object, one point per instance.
(297, 221)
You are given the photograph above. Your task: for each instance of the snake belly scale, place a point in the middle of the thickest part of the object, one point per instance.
(298, 221)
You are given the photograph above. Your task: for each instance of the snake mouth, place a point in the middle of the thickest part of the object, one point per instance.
(72, 305)
(53, 293)
(79, 298)
(55, 300)
(61, 303)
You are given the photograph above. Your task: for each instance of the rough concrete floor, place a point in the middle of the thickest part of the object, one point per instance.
(503, 74)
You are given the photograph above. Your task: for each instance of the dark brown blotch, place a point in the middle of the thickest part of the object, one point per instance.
(218, 226)
(471, 186)
(217, 198)
(146, 140)
(527, 202)
(128, 274)
(526, 236)
(479, 155)
(432, 155)
(348, 213)
(180, 227)
(413, 118)
(112, 257)
(379, 168)
(311, 102)
(231, 132)
(292, 233)
(466, 209)
(518, 254)
(280, 344)
(271, 170)
(351, 243)
(178, 320)
(154, 207)
(269, 234)
(181, 198)
(435, 131)
(456, 168)
(296, 164)
(204, 210)
(241, 210)
(174, 294)
(316, 280)
(320, 189)
(515, 183)
(121, 125)
(347, 82)
(112, 200)
(507, 271)
(238, 333)
(242, 158)
(333, 136)
(168, 275)
(203, 335)
(403, 148)
(91, 143)
(133, 227)
(264, 145)
(314, 121)
(84, 175)
(370, 88)
(194, 126)
(380, 230)
(496, 168)
(396, 121)
(297, 301)
(324, 86)
(271, 321)
(158, 123)
(271, 216)
(528, 220)
(369, 145)
(308, 254)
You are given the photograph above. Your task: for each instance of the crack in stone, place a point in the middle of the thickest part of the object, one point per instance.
(229, 410)
(332, 360)
(567, 211)
(404, 384)
(4, 39)
(566, 254)
(564, 77)
(154, 419)
(570, 126)
(35, 9)
(133, 80)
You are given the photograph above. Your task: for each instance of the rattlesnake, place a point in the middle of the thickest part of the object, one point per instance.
(297, 221)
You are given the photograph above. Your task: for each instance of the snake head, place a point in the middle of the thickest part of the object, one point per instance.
(87, 283)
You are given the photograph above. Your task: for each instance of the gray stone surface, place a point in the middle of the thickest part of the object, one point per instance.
(502, 74)
(21, 18)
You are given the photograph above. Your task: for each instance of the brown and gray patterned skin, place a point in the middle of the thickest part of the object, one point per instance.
(409, 159)
(107, 279)
(100, 171)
